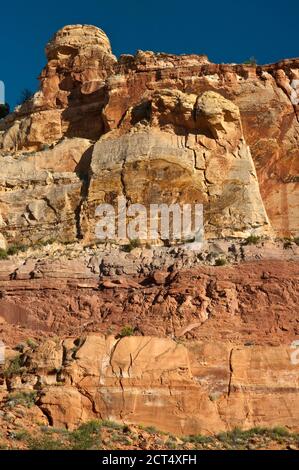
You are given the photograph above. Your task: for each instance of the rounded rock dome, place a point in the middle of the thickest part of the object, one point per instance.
(75, 37)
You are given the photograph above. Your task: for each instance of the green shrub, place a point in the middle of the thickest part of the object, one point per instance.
(111, 424)
(279, 431)
(15, 249)
(14, 368)
(135, 243)
(171, 445)
(252, 61)
(21, 398)
(31, 343)
(46, 442)
(21, 435)
(87, 436)
(126, 331)
(198, 439)
(151, 429)
(25, 96)
(252, 240)
(121, 439)
(296, 240)
(220, 262)
(3, 254)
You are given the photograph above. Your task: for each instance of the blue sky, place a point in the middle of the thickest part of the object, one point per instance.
(227, 31)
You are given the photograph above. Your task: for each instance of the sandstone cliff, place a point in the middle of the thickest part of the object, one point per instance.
(212, 329)
(197, 388)
(222, 135)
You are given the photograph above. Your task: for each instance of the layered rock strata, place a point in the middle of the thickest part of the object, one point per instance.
(186, 141)
(184, 389)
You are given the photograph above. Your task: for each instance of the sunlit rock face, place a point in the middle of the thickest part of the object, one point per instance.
(182, 148)
(155, 128)
(197, 388)
(71, 95)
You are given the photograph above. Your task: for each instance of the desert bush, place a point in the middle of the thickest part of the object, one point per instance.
(126, 331)
(111, 424)
(16, 248)
(26, 95)
(22, 398)
(46, 442)
(135, 243)
(251, 61)
(3, 254)
(197, 439)
(151, 429)
(14, 367)
(252, 240)
(87, 436)
(31, 343)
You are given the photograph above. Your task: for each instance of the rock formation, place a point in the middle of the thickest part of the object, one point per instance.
(197, 388)
(182, 116)
(210, 331)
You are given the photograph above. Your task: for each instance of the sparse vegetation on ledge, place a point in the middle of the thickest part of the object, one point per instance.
(107, 435)
(127, 330)
(252, 240)
(135, 243)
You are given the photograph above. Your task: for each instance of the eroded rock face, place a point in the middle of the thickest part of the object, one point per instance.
(71, 95)
(194, 142)
(253, 302)
(184, 389)
(40, 193)
(184, 113)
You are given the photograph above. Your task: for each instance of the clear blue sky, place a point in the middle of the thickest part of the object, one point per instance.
(226, 30)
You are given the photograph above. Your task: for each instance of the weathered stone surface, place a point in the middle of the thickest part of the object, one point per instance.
(40, 193)
(71, 95)
(86, 93)
(156, 128)
(271, 130)
(47, 357)
(197, 388)
(200, 148)
(250, 302)
(65, 406)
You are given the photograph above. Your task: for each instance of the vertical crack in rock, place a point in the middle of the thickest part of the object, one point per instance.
(230, 372)
(47, 201)
(80, 207)
(89, 396)
(122, 178)
(83, 171)
(46, 413)
(141, 349)
(121, 412)
(119, 377)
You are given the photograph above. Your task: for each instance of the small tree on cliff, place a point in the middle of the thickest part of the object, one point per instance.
(252, 61)
(26, 94)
